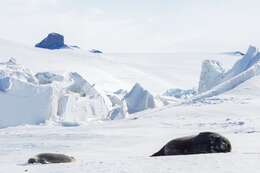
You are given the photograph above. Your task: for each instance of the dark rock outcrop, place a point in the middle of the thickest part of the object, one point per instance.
(205, 142)
(95, 51)
(239, 53)
(52, 41)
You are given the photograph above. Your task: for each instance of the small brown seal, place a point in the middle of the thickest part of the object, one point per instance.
(46, 158)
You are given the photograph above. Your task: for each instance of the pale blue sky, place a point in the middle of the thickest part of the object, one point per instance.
(135, 25)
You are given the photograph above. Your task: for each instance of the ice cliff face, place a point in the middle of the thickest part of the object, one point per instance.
(212, 72)
(68, 99)
(26, 98)
(22, 100)
(139, 99)
(79, 101)
(214, 81)
(251, 58)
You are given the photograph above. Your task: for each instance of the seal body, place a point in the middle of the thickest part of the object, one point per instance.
(205, 142)
(46, 158)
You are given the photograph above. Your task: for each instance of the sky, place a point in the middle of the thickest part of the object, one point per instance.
(135, 25)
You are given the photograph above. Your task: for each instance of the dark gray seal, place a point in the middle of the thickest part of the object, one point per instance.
(46, 158)
(205, 142)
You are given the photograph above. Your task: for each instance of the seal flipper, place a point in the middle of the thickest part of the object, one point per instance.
(43, 161)
(159, 153)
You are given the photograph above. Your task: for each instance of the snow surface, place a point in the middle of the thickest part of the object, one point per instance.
(125, 145)
(180, 93)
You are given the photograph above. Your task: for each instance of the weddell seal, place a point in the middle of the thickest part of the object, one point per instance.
(46, 158)
(205, 142)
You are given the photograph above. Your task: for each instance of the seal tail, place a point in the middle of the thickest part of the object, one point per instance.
(73, 159)
(159, 153)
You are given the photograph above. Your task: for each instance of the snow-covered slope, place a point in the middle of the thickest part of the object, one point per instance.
(156, 72)
(125, 145)
(79, 81)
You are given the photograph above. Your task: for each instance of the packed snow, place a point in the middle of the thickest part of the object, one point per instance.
(180, 93)
(112, 111)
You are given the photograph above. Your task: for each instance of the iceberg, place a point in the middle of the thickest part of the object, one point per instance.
(139, 99)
